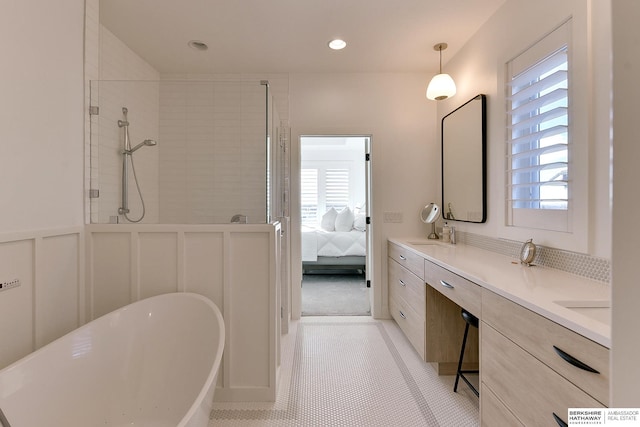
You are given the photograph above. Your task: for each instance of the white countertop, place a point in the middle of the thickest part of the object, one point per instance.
(536, 288)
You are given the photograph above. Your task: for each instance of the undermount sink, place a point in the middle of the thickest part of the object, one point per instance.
(584, 303)
(599, 310)
(423, 243)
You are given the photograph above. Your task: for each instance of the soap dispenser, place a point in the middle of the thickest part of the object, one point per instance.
(446, 233)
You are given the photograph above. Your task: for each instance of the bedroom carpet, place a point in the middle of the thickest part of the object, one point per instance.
(335, 295)
(353, 372)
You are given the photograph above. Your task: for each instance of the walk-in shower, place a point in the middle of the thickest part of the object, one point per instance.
(127, 159)
(214, 161)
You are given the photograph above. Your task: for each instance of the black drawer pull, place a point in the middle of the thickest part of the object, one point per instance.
(402, 257)
(401, 282)
(559, 421)
(445, 284)
(573, 361)
(402, 315)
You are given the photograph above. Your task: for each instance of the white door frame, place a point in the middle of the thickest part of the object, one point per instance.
(296, 256)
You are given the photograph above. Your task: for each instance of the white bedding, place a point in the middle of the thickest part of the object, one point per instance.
(317, 243)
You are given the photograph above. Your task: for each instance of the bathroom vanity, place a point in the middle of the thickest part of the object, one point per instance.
(544, 334)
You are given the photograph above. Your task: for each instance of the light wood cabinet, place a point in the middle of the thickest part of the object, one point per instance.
(493, 412)
(527, 375)
(409, 260)
(530, 390)
(532, 369)
(407, 294)
(446, 294)
(463, 292)
(545, 339)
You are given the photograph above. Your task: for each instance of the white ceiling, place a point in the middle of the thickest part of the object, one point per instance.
(275, 36)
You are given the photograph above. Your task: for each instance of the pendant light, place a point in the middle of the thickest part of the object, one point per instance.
(442, 85)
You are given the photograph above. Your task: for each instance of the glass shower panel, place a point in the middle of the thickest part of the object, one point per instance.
(210, 161)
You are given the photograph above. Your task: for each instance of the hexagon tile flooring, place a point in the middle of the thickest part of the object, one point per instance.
(354, 371)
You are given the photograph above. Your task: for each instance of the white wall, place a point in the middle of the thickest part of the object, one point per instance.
(479, 68)
(41, 114)
(626, 203)
(392, 108)
(41, 171)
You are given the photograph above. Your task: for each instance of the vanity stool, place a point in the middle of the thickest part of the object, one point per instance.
(470, 320)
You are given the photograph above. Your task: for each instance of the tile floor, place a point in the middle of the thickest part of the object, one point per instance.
(354, 371)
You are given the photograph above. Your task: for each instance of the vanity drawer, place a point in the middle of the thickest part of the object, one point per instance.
(532, 391)
(538, 335)
(414, 263)
(410, 322)
(405, 285)
(458, 289)
(494, 413)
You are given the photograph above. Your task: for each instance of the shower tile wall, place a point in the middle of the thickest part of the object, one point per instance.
(213, 155)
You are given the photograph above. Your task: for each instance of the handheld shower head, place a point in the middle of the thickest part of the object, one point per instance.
(146, 142)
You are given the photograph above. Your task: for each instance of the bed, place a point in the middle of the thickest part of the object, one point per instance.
(331, 250)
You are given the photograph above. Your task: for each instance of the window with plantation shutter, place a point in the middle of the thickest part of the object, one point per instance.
(538, 134)
(337, 188)
(322, 189)
(309, 196)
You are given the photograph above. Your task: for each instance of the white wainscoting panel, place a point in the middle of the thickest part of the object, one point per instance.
(50, 299)
(247, 302)
(109, 270)
(157, 264)
(58, 287)
(201, 274)
(235, 265)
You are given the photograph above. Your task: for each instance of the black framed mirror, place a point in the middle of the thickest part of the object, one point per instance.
(464, 148)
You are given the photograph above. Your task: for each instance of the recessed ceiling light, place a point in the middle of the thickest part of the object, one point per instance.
(337, 44)
(198, 45)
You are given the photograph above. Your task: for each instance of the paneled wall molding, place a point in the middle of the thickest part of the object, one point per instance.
(237, 266)
(50, 300)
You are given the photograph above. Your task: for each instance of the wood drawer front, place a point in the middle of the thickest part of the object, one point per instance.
(493, 412)
(532, 391)
(538, 335)
(463, 292)
(405, 285)
(412, 262)
(411, 324)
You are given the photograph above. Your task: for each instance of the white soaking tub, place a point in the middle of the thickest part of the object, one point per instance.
(151, 363)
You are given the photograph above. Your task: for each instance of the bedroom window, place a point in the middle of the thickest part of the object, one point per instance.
(322, 189)
(309, 196)
(538, 134)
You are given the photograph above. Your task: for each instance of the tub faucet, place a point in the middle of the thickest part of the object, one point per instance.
(453, 235)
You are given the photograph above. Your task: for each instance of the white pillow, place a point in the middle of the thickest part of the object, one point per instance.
(344, 220)
(328, 222)
(360, 222)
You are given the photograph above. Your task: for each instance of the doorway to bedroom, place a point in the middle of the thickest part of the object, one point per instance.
(334, 201)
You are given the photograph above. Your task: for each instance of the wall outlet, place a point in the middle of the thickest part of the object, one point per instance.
(8, 284)
(392, 217)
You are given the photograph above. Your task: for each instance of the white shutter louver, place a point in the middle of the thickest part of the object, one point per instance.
(309, 196)
(538, 135)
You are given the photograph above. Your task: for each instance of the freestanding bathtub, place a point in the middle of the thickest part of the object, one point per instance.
(151, 363)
